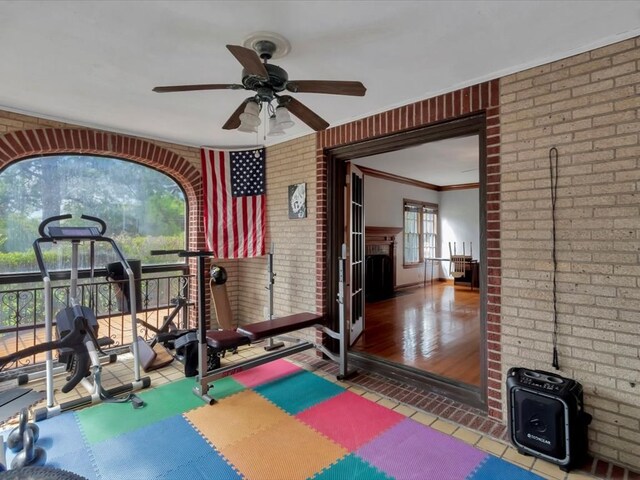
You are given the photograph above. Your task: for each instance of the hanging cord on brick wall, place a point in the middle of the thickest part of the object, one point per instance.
(553, 175)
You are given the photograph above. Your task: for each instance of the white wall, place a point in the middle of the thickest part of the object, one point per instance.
(459, 222)
(384, 208)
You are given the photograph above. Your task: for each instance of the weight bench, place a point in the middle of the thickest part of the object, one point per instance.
(222, 340)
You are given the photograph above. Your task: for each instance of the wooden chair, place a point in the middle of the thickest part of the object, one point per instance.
(460, 264)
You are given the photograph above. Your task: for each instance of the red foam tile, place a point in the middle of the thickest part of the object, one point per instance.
(266, 373)
(349, 419)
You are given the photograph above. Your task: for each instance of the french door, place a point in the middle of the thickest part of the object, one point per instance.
(354, 240)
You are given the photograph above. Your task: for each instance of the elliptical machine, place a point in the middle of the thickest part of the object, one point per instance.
(86, 368)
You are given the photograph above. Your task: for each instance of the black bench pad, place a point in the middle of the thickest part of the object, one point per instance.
(225, 339)
(271, 328)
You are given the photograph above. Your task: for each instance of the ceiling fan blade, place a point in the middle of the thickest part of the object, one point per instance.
(206, 86)
(233, 121)
(249, 60)
(303, 113)
(334, 87)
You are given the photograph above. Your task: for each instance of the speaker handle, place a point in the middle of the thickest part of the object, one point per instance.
(543, 372)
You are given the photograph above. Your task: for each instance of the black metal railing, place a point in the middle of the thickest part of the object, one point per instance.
(22, 310)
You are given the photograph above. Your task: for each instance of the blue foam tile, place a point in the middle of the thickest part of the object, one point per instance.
(153, 451)
(64, 445)
(295, 393)
(79, 462)
(493, 468)
(61, 435)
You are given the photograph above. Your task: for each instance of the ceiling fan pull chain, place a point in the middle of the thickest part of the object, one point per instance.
(265, 123)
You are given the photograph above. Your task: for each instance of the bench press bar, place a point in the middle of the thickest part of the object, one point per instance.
(202, 388)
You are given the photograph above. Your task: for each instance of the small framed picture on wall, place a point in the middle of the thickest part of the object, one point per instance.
(298, 200)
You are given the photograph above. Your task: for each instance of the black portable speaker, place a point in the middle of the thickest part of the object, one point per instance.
(546, 417)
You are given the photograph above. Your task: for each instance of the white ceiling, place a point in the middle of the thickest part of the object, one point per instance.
(94, 63)
(453, 161)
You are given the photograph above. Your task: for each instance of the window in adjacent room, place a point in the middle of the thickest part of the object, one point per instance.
(420, 231)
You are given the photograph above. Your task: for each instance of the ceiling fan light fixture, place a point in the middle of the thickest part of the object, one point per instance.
(274, 128)
(283, 119)
(247, 128)
(250, 119)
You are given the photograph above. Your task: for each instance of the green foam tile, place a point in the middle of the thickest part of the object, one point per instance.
(353, 468)
(299, 391)
(108, 420)
(225, 387)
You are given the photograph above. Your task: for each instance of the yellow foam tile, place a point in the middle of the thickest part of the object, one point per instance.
(234, 418)
(289, 450)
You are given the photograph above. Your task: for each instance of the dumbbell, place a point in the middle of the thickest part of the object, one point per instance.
(30, 454)
(16, 437)
(3, 460)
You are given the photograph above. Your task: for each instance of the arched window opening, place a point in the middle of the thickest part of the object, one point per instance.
(144, 209)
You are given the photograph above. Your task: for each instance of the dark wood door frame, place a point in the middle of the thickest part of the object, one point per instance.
(336, 172)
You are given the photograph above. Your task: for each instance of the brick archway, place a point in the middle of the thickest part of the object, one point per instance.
(480, 98)
(21, 144)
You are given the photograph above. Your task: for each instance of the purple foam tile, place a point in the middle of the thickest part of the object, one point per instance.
(411, 451)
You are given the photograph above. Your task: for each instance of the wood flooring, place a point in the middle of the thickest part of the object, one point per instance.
(436, 329)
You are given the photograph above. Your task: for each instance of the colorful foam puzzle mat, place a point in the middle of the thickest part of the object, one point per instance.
(274, 422)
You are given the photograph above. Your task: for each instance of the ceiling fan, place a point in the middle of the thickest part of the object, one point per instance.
(268, 81)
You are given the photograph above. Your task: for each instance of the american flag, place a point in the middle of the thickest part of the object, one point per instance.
(234, 187)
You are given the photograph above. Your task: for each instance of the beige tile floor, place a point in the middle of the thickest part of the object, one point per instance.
(121, 372)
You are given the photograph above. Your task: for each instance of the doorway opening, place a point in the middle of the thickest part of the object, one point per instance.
(425, 255)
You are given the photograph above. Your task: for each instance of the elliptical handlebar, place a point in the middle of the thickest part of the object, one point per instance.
(103, 225)
(46, 233)
(47, 221)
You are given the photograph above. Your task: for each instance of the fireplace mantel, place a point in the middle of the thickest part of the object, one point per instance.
(381, 234)
(382, 241)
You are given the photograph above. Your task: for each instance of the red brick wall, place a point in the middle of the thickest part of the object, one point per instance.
(485, 98)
